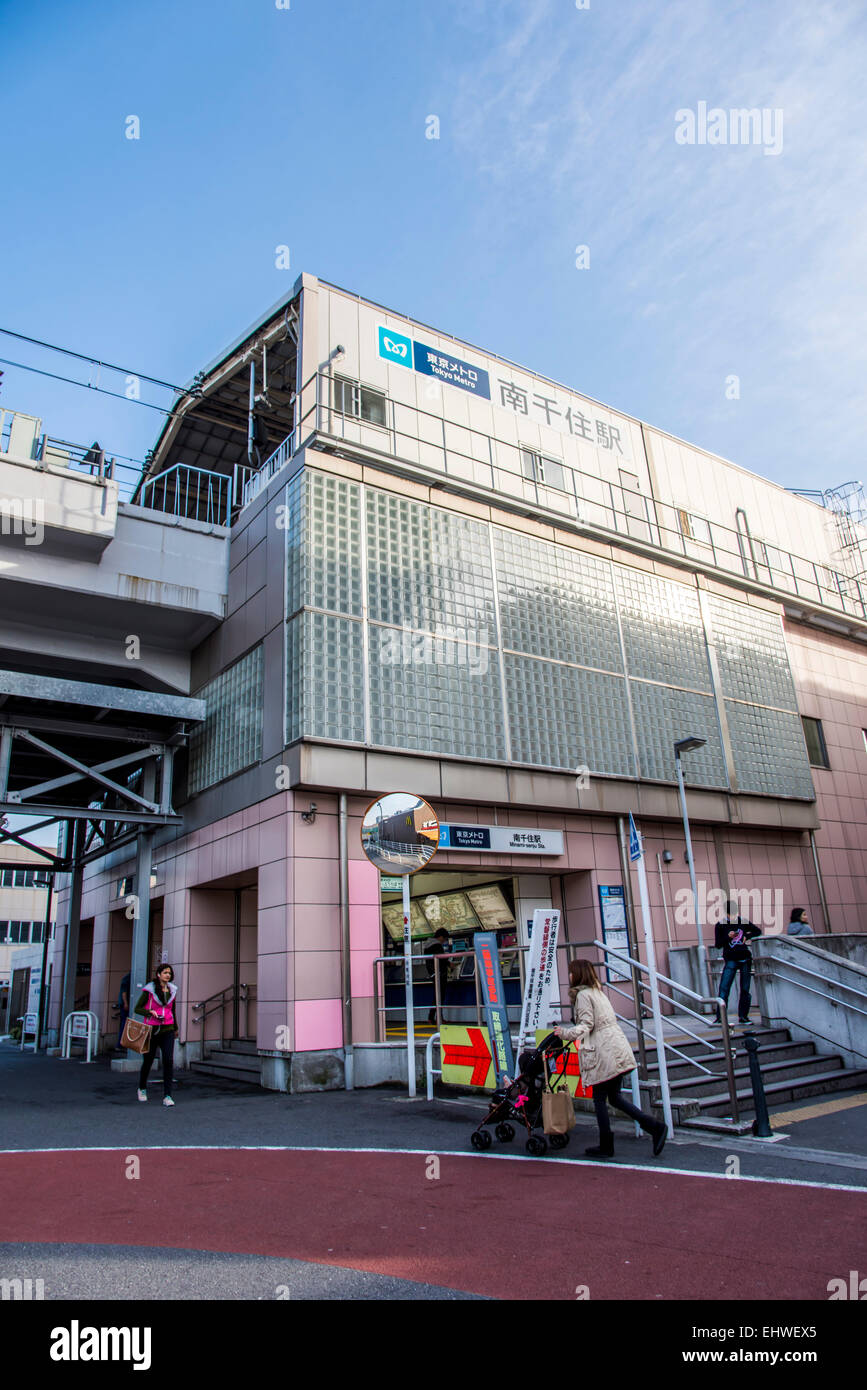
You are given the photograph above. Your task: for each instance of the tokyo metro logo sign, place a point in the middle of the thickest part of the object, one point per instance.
(394, 347)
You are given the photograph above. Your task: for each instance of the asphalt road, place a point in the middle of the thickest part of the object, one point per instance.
(239, 1194)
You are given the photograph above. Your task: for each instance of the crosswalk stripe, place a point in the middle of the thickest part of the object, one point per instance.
(811, 1112)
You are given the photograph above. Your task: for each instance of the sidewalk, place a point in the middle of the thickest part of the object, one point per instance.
(48, 1103)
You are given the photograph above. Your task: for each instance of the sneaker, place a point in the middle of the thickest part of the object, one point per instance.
(142, 1095)
(167, 1100)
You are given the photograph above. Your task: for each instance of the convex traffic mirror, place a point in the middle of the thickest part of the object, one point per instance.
(400, 833)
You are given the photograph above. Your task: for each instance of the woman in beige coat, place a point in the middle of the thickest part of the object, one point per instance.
(605, 1058)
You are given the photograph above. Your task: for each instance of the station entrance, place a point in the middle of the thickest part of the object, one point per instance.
(458, 903)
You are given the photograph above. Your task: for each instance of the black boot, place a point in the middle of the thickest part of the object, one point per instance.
(604, 1149)
(658, 1134)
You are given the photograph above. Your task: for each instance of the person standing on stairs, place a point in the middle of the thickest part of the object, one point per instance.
(731, 936)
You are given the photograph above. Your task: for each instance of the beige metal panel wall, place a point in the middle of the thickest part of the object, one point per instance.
(713, 488)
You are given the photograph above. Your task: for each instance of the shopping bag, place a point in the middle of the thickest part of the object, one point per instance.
(136, 1036)
(558, 1113)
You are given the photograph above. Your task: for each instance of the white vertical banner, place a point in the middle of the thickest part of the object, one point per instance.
(541, 1001)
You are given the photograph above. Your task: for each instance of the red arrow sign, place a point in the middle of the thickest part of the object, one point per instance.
(566, 1064)
(477, 1055)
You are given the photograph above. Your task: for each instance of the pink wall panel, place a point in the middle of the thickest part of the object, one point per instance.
(318, 1024)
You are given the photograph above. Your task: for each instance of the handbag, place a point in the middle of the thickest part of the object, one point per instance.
(136, 1036)
(558, 1112)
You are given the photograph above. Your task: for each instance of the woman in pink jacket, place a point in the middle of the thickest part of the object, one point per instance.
(605, 1058)
(157, 1002)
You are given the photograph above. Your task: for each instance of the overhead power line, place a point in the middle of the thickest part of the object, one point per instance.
(94, 361)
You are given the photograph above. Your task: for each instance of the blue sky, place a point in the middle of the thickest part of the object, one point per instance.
(306, 126)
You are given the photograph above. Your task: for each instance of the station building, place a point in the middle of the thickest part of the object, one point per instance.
(367, 556)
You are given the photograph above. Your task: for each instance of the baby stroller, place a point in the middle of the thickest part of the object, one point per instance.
(521, 1101)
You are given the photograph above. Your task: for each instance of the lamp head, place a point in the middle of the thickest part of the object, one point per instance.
(686, 745)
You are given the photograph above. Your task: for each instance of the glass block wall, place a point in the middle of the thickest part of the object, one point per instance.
(412, 627)
(231, 737)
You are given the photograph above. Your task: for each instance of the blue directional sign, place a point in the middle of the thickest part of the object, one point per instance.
(635, 850)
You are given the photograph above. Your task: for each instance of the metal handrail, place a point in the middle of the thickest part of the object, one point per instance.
(724, 552)
(814, 974)
(212, 494)
(244, 997)
(260, 477)
(381, 1010)
(727, 1052)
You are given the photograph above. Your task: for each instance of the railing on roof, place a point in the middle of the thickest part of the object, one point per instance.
(249, 482)
(466, 455)
(195, 493)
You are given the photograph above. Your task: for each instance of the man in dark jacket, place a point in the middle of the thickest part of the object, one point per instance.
(438, 962)
(731, 937)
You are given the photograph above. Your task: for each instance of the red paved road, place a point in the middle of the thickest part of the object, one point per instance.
(505, 1229)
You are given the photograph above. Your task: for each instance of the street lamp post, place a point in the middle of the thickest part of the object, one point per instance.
(686, 745)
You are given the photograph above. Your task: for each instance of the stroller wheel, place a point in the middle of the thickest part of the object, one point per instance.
(558, 1141)
(505, 1133)
(536, 1145)
(481, 1139)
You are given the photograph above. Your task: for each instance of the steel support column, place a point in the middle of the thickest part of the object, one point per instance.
(73, 923)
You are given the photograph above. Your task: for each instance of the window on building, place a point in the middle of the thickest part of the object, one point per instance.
(815, 739)
(695, 528)
(351, 398)
(768, 556)
(543, 470)
(4, 932)
(15, 932)
(37, 931)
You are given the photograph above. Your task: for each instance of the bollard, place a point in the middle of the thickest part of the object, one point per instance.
(761, 1124)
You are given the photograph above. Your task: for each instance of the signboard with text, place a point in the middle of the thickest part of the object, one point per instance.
(541, 1001)
(612, 907)
(430, 361)
(501, 839)
(494, 999)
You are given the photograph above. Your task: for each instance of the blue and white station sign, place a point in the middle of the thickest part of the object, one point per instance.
(501, 839)
(408, 352)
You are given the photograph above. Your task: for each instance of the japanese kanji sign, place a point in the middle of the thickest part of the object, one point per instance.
(430, 361)
(532, 400)
(494, 1000)
(501, 839)
(542, 986)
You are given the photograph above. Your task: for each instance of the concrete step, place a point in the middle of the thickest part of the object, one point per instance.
(228, 1055)
(781, 1093)
(782, 1052)
(700, 1086)
(765, 1037)
(231, 1069)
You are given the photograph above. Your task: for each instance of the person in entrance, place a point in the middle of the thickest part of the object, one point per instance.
(605, 1058)
(439, 964)
(157, 1002)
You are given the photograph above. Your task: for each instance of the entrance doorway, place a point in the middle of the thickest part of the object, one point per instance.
(461, 903)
